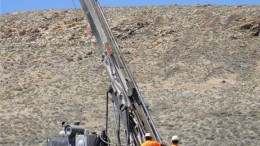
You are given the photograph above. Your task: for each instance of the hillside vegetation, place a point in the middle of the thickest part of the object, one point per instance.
(197, 68)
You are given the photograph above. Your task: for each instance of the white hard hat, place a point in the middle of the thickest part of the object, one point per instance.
(175, 137)
(62, 133)
(147, 135)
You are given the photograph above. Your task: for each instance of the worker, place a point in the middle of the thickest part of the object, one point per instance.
(149, 141)
(175, 140)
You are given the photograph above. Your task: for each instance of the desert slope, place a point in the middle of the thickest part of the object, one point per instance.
(197, 68)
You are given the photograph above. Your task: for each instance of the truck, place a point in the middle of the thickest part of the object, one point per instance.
(127, 101)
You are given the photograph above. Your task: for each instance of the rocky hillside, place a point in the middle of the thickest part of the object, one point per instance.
(197, 68)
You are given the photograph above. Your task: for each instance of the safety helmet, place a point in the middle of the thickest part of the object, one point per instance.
(175, 137)
(147, 135)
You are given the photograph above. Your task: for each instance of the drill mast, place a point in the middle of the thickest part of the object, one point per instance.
(126, 96)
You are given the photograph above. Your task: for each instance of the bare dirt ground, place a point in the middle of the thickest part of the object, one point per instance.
(197, 68)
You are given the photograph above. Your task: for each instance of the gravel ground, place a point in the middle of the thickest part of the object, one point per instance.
(197, 68)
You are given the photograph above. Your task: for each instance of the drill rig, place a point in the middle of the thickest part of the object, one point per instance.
(126, 97)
